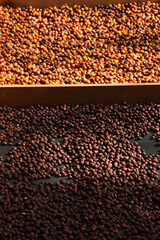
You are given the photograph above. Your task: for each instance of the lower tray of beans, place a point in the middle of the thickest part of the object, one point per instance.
(117, 43)
(80, 172)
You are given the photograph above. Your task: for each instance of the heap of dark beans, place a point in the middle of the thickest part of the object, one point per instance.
(117, 43)
(109, 187)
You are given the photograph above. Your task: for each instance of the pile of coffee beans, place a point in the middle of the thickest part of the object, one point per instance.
(117, 43)
(107, 187)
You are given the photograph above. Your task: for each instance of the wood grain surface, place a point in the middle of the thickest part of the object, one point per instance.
(58, 3)
(78, 94)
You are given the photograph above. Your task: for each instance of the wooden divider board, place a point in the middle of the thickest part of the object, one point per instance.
(73, 94)
(47, 95)
(58, 3)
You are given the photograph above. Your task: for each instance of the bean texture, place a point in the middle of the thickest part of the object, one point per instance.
(106, 186)
(117, 43)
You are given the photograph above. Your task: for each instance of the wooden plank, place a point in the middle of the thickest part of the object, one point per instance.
(73, 94)
(58, 3)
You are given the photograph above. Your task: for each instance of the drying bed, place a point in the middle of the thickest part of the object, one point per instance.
(99, 183)
(79, 171)
(116, 43)
(13, 95)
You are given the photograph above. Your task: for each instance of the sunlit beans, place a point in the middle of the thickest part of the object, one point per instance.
(118, 43)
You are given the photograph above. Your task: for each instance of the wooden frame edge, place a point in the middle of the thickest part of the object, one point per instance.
(50, 95)
(59, 3)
